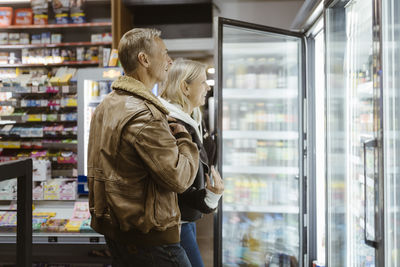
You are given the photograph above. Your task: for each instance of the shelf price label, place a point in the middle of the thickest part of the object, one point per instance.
(52, 239)
(94, 239)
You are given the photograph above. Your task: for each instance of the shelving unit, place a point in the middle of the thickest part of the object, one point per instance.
(51, 111)
(58, 26)
(20, 46)
(266, 135)
(66, 63)
(260, 170)
(261, 209)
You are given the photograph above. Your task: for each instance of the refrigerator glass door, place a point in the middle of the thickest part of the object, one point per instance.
(93, 85)
(391, 115)
(351, 132)
(259, 101)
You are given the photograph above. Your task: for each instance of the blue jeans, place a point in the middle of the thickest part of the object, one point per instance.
(189, 244)
(171, 255)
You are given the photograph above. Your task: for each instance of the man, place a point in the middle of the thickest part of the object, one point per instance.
(137, 163)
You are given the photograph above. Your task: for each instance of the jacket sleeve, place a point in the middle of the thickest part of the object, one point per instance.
(194, 198)
(172, 162)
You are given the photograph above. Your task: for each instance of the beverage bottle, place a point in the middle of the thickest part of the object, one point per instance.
(229, 79)
(255, 192)
(262, 76)
(225, 117)
(235, 116)
(238, 190)
(250, 76)
(244, 119)
(241, 71)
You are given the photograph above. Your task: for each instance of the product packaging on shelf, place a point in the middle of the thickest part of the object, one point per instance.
(6, 16)
(13, 38)
(45, 37)
(105, 56)
(40, 11)
(113, 58)
(23, 16)
(77, 11)
(8, 189)
(37, 191)
(56, 38)
(61, 9)
(3, 38)
(3, 57)
(41, 170)
(24, 38)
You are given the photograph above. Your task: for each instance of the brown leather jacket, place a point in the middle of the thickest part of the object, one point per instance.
(136, 167)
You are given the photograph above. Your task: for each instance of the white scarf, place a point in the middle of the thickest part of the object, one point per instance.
(176, 111)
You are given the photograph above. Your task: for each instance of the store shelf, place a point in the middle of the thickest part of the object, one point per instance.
(260, 170)
(66, 173)
(20, 46)
(67, 63)
(258, 94)
(264, 135)
(35, 118)
(288, 49)
(59, 145)
(56, 26)
(261, 209)
(39, 89)
(57, 238)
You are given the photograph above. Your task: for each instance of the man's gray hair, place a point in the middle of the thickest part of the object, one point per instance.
(132, 43)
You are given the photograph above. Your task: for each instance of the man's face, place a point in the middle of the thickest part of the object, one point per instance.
(159, 61)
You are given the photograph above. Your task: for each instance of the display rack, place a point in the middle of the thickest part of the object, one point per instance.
(44, 119)
(58, 26)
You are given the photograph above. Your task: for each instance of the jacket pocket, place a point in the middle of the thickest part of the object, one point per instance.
(166, 211)
(97, 200)
(126, 204)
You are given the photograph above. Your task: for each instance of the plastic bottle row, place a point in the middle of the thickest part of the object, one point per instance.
(259, 73)
(252, 152)
(261, 116)
(261, 191)
(260, 240)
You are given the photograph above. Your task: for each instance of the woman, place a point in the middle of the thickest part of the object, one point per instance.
(184, 92)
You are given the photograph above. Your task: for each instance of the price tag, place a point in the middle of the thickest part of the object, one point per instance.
(52, 239)
(35, 89)
(94, 239)
(65, 88)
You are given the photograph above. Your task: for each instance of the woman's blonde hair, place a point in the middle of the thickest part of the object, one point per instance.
(182, 71)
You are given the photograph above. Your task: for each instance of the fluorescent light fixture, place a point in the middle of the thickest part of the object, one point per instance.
(210, 82)
(211, 70)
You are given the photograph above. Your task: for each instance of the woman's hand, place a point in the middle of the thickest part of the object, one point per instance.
(218, 186)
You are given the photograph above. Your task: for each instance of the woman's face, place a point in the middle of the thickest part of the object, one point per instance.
(197, 91)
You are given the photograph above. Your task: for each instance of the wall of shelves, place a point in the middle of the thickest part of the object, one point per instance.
(38, 118)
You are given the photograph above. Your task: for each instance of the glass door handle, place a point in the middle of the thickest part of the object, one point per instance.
(369, 229)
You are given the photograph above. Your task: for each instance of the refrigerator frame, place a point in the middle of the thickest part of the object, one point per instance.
(219, 23)
(378, 104)
(95, 74)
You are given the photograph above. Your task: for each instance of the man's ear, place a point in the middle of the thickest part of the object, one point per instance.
(143, 59)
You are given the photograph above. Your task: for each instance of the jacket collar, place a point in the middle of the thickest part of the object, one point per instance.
(136, 87)
(176, 112)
